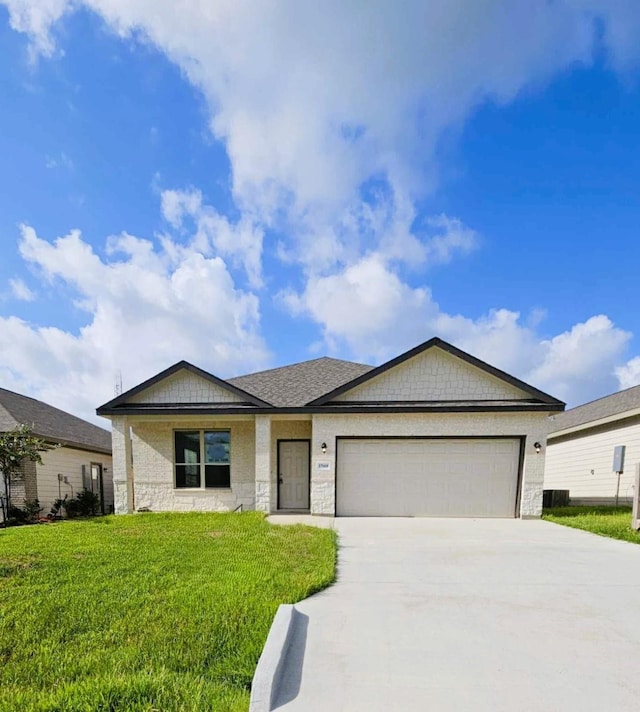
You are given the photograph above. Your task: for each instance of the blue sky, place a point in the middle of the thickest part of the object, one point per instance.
(248, 186)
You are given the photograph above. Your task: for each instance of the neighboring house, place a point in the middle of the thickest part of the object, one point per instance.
(433, 432)
(82, 461)
(581, 446)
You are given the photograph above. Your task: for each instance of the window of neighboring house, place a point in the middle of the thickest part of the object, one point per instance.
(202, 458)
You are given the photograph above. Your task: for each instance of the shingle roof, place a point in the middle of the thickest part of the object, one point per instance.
(296, 385)
(615, 404)
(51, 423)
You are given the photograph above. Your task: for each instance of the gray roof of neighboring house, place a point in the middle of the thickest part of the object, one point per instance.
(615, 404)
(51, 423)
(296, 385)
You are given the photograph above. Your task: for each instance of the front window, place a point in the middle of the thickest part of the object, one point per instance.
(202, 458)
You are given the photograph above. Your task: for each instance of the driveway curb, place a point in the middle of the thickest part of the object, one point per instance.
(267, 677)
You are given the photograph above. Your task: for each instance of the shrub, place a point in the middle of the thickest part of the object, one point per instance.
(84, 504)
(17, 516)
(32, 509)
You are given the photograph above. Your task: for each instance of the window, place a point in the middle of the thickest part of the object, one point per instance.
(202, 458)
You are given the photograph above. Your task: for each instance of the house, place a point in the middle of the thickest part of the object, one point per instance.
(433, 432)
(83, 460)
(581, 449)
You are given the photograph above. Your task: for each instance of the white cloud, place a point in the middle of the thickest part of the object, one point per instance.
(20, 290)
(62, 160)
(454, 237)
(372, 313)
(312, 101)
(629, 374)
(148, 306)
(240, 241)
(331, 115)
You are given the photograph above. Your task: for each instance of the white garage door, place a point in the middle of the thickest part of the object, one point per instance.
(427, 477)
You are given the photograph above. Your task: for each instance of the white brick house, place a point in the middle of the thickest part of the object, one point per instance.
(433, 432)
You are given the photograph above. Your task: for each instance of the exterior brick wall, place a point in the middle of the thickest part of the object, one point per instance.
(433, 375)
(24, 485)
(153, 471)
(30, 479)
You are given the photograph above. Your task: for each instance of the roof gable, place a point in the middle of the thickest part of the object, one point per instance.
(184, 383)
(435, 372)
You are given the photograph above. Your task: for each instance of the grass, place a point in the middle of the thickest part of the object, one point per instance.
(614, 522)
(147, 612)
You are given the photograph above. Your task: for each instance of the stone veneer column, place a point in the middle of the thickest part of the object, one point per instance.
(122, 469)
(533, 475)
(263, 463)
(323, 481)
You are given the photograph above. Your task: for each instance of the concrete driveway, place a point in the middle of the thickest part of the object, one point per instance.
(433, 614)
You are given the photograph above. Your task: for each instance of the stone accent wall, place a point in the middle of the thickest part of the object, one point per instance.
(264, 490)
(153, 471)
(121, 450)
(433, 375)
(327, 427)
(186, 387)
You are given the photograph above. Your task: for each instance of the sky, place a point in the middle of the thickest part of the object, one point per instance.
(245, 184)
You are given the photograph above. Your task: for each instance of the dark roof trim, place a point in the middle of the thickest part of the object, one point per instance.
(466, 401)
(449, 348)
(480, 407)
(180, 366)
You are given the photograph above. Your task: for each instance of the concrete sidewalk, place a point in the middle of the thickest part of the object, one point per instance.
(456, 615)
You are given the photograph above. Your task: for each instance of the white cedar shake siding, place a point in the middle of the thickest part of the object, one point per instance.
(144, 463)
(581, 462)
(434, 375)
(185, 387)
(68, 462)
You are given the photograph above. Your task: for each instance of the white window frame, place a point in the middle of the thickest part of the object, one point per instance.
(202, 463)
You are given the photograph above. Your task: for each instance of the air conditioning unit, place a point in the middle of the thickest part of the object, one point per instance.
(555, 498)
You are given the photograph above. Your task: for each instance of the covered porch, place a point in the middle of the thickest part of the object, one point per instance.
(213, 463)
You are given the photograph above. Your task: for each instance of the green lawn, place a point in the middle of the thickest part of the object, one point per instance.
(614, 522)
(147, 612)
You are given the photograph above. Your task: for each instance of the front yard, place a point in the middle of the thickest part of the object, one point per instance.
(147, 612)
(614, 522)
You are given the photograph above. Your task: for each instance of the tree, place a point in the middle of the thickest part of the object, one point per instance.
(16, 446)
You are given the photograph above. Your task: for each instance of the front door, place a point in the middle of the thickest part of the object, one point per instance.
(293, 474)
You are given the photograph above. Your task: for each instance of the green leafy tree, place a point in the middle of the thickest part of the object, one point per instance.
(16, 446)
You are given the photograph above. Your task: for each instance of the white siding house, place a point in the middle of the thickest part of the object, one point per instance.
(581, 444)
(82, 460)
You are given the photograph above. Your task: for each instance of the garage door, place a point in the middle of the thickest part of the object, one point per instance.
(427, 477)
